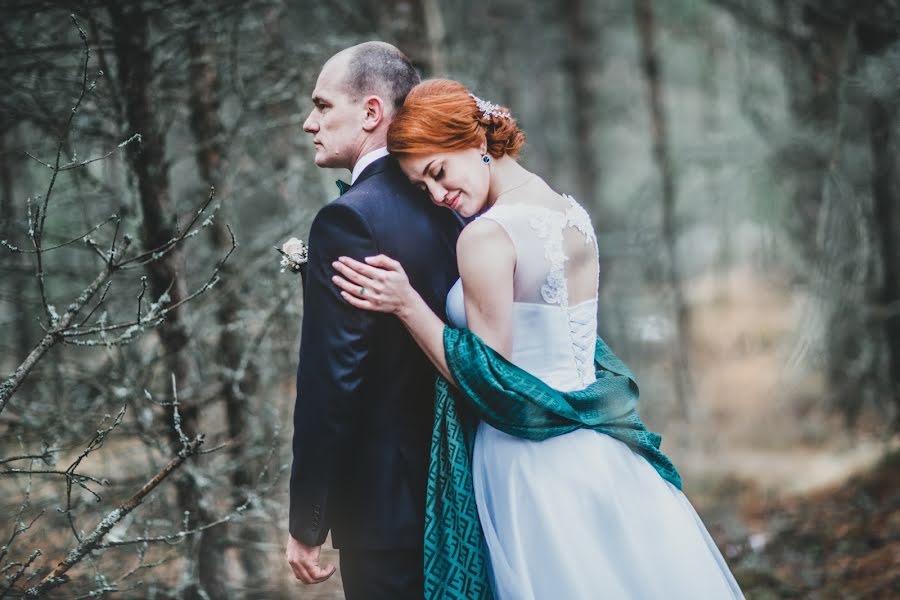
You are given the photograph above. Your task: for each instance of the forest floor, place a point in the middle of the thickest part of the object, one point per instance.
(841, 541)
(801, 506)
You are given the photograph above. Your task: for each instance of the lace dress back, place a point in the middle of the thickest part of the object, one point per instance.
(555, 290)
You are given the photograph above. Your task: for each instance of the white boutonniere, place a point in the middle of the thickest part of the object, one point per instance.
(294, 254)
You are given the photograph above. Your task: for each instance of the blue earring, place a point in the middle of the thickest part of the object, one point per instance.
(485, 158)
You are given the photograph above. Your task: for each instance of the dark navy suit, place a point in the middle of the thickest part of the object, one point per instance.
(363, 414)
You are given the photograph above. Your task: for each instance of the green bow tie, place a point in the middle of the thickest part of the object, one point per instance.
(342, 186)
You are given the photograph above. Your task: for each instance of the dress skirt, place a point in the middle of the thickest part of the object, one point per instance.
(583, 517)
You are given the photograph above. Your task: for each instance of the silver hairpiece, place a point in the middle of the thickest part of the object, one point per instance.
(489, 109)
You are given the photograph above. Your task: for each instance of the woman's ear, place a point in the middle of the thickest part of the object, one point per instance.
(374, 107)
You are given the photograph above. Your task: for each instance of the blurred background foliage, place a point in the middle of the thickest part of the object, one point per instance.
(739, 160)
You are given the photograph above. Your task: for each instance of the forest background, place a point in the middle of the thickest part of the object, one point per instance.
(739, 160)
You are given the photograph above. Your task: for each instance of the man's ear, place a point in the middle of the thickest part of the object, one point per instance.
(374, 107)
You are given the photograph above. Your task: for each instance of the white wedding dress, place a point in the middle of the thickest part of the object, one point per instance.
(578, 516)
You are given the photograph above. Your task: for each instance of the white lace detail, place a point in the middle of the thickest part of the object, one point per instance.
(577, 217)
(549, 227)
(583, 324)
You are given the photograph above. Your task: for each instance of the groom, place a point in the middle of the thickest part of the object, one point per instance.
(363, 413)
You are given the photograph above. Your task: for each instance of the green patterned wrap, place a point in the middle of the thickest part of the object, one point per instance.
(515, 402)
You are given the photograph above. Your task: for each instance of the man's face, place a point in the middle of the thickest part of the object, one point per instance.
(336, 120)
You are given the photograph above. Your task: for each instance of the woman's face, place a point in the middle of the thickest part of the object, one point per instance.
(458, 180)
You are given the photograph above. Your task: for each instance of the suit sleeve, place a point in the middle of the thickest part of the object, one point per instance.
(334, 346)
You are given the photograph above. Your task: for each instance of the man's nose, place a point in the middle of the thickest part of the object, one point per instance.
(310, 125)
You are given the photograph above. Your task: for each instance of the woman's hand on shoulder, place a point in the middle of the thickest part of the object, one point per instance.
(380, 284)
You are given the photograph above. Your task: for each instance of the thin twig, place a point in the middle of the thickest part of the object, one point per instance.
(11, 582)
(51, 338)
(79, 238)
(37, 232)
(98, 305)
(95, 444)
(158, 252)
(154, 313)
(69, 167)
(45, 457)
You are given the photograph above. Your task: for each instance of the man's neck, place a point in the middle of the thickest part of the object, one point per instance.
(365, 160)
(371, 142)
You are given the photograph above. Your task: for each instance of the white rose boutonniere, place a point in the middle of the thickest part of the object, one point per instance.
(294, 254)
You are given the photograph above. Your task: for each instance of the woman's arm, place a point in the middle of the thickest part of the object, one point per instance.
(486, 260)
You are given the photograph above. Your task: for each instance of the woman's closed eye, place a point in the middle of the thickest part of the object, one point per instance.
(434, 176)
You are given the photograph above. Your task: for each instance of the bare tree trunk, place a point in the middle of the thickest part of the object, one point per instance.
(437, 37)
(15, 283)
(813, 80)
(580, 63)
(822, 216)
(9, 261)
(7, 211)
(650, 66)
(130, 26)
(886, 195)
(417, 28)
(209, 132)
(884, 142)
(712, 123)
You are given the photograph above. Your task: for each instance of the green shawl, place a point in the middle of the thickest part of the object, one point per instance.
(511, 400)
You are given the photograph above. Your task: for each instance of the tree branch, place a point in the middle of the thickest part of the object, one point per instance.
(93, 541)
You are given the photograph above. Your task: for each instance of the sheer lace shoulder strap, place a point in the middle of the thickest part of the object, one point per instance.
(577, 217)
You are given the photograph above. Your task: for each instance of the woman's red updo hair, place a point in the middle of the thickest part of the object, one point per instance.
(440, 115)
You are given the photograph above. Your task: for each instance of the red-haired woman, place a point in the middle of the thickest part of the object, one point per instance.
(574, 498)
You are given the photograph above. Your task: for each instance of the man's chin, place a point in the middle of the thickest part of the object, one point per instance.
(328, 162)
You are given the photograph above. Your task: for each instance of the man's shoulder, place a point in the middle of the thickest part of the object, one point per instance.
(387, 178)
(386, 190)
(370, 203)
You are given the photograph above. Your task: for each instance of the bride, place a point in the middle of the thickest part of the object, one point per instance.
(574, 513)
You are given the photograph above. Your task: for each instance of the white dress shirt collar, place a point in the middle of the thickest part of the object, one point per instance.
(366, 160)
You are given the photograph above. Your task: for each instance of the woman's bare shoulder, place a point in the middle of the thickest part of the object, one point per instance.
(483, 235)
(484, 246)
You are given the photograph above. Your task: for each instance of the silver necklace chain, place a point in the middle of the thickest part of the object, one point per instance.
(515, 187)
